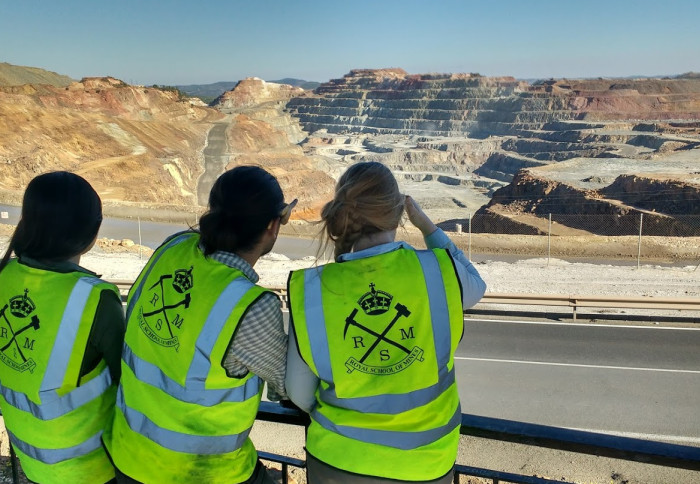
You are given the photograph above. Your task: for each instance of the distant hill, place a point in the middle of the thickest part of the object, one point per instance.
(308, 85)
(11, 75)
(209, 92)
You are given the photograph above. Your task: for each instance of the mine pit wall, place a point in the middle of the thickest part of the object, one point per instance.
(501, 166)
(520, 125)
(474, 106)
(490, 128)
(135, 145)
(671, 197)
(393, 102)
(588, 210)
(430, 155)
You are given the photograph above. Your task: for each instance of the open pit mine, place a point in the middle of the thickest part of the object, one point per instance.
(506, 152)
(499, 147)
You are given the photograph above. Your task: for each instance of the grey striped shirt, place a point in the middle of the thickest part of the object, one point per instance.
(260, 343)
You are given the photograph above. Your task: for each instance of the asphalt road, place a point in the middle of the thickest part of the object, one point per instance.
(152, 234)
(635, 381)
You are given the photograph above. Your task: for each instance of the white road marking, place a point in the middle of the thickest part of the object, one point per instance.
(546, 363)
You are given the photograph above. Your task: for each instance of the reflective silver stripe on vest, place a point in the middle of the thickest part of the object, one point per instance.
(316, 323)
(149, 373)
(151, 265)
(178, 441)
(53, 406)
(54, 456)
(57, 365)
(439, 311)
(392, 404)
(389, 438)
(214, 324)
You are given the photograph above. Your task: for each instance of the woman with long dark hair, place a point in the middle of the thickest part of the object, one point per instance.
(61, 334)
(372, 340)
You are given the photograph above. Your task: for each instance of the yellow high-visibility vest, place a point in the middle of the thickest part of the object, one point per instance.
(54, 417)
(179, 416)
(380, 333)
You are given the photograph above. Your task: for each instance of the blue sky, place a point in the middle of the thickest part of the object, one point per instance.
(188, 42)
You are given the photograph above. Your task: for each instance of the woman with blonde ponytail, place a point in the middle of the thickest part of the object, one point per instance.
(373, 336)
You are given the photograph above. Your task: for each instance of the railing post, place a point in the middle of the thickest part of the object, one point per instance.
(470, 237)
(549, 239)
(14, 464)
(639, 244)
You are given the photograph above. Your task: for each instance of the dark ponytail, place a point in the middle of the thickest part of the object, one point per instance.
(242, 203)
(61, 215)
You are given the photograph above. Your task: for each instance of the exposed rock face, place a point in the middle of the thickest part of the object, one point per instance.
(132, 143)
(476, 133)
(607, 99)
(262, 134)
(394, 102)
(653, 194)
(390, 101)
(253, 91)
(664, 203)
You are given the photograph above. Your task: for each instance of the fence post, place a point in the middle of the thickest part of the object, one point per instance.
(639, 244)
(470, 237)
(140, 244)
(549, 239)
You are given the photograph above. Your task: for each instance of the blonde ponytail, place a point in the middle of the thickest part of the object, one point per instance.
(367, 200)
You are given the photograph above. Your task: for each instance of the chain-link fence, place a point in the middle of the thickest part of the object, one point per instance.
(634, 236)
(641, 236)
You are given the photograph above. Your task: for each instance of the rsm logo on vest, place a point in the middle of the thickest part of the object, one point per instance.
(396, 357)
(159, 314)
(16, 346)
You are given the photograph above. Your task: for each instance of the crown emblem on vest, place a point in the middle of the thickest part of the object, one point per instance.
(22, 306)
(375, 302)
(182, 282)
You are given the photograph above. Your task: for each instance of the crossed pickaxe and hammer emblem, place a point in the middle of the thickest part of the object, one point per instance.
(164, 307)
(401, 311)
(33, 324)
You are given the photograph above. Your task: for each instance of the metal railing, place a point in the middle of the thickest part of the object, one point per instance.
(554, 300)
(625, 448)
(575, 302)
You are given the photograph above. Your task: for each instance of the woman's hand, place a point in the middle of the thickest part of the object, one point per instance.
(418, 217)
